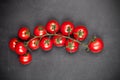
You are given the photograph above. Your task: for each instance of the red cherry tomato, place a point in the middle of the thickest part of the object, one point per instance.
(12, 43)
(71, 46)
(52, 26)
(96, 46)
(25, 59)
(46, 44)
(80, 33)
(24, 33)
(20, 49)
(67, 28)
(34, 44)
(39, 31)
(59, 40)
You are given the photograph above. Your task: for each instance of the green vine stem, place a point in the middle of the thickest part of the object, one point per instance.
(67, 37)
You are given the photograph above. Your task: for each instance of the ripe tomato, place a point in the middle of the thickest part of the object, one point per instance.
(25, 59)
(96, 45)
(67, 28)
(58, 40)
(39, 31)
(20, 49)
(52, 26)
(80, 33)
(24, 33)
(46, 44)
(71, 46)
(12, 43)
(34, 44)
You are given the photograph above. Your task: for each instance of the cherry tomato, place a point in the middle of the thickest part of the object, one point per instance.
(71, 46)
(96, 45)
(12, 43)
(34, 44)
(67, 28)
(58, 40)
(46, 44)
(39, 30)
(24, 33)
(25, 59)
(52, 26)
(80, 33)
(20, 49)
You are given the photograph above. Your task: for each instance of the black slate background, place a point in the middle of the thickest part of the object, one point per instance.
(100, 16)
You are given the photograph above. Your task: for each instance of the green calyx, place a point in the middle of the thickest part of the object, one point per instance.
(36, 43)
(69, 29)
(40, 28)
(47, 42)
(58, 40)
(70, 45)
(53, 27)
(27, 32)
(80, 33)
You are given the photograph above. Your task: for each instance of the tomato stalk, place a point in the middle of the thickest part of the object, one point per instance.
(26, 45)
(68, 37)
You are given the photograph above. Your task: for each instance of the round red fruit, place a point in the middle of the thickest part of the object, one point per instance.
(80, 33)
(25, 59)
(96, 45)
(34, 44)
(67, 28)
(39, 31)
(59, 40)
(24, 33)
(12, 43)
(52, 26)
(20, 49)
(71, 46)
(46, 44)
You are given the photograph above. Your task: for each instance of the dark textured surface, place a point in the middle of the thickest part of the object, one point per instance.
(100, 16)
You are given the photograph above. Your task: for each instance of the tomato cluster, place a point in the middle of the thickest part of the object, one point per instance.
(64, 35)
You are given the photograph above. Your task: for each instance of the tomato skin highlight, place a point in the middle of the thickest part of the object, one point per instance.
(25, 59)
(96, 46)
(24, 33)
(34, 44)
(39, 30)
(59, 40)
(67, 28)
(46, 44)
(20, 49)
(71, 46)
(12, 43)
(52, 26)
(80, 33)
